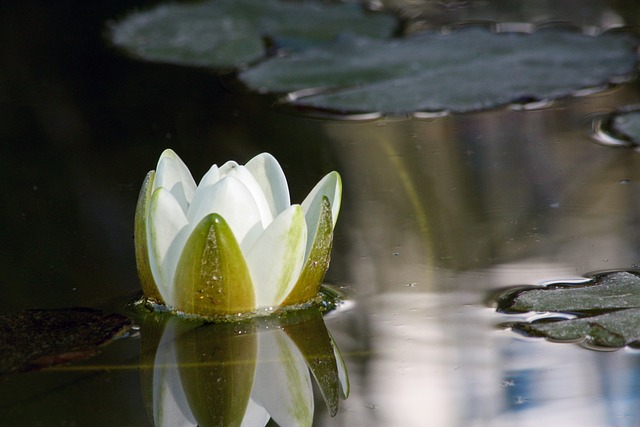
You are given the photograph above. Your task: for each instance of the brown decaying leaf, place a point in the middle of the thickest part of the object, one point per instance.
(39, 338)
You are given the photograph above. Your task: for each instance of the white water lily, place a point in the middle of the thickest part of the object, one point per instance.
(233, 243)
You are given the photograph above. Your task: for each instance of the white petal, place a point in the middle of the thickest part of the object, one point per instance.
(276, 259)
(170, 405)
(255, 415)
(269, 175)
(244, 176)
(173, 174)
(228, 168)
(211, 177)
(282, 384)
(230, 199)
(167, 229)
(331, 187)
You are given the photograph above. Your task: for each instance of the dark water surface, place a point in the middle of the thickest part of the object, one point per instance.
(436, 214)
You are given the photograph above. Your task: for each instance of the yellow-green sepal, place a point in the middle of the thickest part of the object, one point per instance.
(315, 344)
(149, 287)
(217, 364)
(317, 263)
(212, 277)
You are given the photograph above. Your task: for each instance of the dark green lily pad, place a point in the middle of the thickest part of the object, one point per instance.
(470, 69)
(605, 312)
(615, 329)
(609, 292)
(36, 339)
(232, 33)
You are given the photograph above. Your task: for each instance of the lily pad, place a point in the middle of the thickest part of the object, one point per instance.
(470, 69)
(603, 313)
(613, 330)
(232, 33)
(36, 339)
(608, 292)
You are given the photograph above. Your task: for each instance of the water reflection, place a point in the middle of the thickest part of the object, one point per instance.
(438, 212)
(479, 191)
(437, 363)
(592, 14)
(232, 374)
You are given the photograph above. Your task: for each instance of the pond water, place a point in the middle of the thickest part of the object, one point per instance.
(437, 214)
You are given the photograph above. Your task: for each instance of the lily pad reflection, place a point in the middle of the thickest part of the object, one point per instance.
(604, 313)
(470, 69)
(243, 373)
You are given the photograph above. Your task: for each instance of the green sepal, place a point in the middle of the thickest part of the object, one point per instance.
(217, 364)
(343, 375)
(314, 342)
(316, 266)
(149, 287)
(212, 277)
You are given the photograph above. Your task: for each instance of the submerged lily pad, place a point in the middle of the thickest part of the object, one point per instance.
(604, 313)
(232, 33)
(470, 69)
(36, 339)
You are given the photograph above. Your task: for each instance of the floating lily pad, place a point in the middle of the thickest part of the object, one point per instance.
(609, 292)
(604, 313)
(232, 33)
(470, 69)
(615, 329)
(36, 339)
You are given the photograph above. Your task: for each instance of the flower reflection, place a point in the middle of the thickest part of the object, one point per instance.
(239, 374)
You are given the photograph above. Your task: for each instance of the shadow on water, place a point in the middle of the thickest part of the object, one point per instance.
(437, 212)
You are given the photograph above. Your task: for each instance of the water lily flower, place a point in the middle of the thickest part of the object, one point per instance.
(233, 243)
